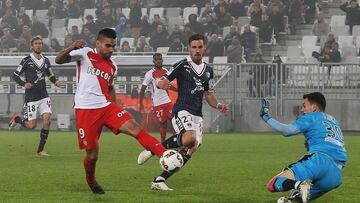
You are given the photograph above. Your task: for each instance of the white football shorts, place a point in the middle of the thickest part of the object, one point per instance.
(32, 109)
(184, 121)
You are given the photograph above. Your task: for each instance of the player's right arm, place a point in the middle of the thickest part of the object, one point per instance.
(64, 55)
(141, 97)
(18, 72)
(147, 81)
(164, 82)
(285, 129)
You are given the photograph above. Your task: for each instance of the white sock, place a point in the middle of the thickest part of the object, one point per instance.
(159, 178)
(297, 184)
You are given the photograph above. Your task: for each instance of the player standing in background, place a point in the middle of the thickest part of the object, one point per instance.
(35, 67)
(95, 101)
(195, 79)
(162, 105)
(320, 170)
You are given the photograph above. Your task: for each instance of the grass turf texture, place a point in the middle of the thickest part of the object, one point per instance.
(227, 168)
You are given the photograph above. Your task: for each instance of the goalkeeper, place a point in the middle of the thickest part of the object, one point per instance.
(320, 170)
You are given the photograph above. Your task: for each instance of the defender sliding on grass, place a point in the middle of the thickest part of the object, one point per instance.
(320, 170)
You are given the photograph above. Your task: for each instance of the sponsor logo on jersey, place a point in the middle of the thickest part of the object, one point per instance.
(208, 74)
(199, 86)
(121, 113)
(97, 72)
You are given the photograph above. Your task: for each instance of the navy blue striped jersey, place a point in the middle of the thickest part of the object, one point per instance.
(192, 81)
(34, 74)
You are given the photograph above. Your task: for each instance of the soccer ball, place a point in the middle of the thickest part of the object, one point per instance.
(171, 160)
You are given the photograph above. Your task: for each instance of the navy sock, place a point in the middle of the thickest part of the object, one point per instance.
(166, 174)
(289, 184)
(284, 184)
(20, 120)
(43, 137)
(173, 142)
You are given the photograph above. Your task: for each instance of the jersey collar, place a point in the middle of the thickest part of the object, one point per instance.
(198, 69)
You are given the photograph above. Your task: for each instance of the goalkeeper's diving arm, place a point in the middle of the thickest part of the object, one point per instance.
(285, 129)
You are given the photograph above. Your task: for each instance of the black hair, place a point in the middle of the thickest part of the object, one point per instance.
(197, 37)
(317, 98)
(157, 54)
(106, 32)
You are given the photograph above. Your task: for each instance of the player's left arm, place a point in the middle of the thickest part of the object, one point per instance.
(285, 129)
(50, 74)
(112, 93)
(212, 100)
(111, 86)
(210, 96)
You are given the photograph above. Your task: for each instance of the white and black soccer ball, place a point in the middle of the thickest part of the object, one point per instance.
(171, 160)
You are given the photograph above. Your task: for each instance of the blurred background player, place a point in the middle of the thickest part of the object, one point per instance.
(95, 105)
(194, 79)
(319, 171)
(162, 105)
(37, 101)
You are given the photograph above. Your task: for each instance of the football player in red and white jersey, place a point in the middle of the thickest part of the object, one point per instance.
(162, 105)
(95, 101)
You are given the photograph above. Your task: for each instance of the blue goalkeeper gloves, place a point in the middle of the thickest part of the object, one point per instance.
(264, 112)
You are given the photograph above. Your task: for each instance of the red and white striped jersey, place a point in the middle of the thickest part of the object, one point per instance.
(93, 77)
(159, 96)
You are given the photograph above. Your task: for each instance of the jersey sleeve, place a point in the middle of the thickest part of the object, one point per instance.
(20, 69)
(174, 72)
(147, 79)
(49, 72)
(209, 85)
(303, 123)
(77, 54)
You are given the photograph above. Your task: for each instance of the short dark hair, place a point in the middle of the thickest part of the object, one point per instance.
(317, 98)
(106, 32)
(157, 54)
(197, 37)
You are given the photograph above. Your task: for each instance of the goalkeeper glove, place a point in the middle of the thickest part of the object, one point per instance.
(264, 112)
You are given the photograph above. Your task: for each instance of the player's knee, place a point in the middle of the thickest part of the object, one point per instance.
(31, 125)
(131, 127)
(47, 122)
(92, 157)
(47, 118)
(189, 139)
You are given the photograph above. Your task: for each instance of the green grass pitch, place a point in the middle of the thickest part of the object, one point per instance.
(226, 168)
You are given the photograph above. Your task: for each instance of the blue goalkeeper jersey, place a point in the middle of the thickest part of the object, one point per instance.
(322, 134)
